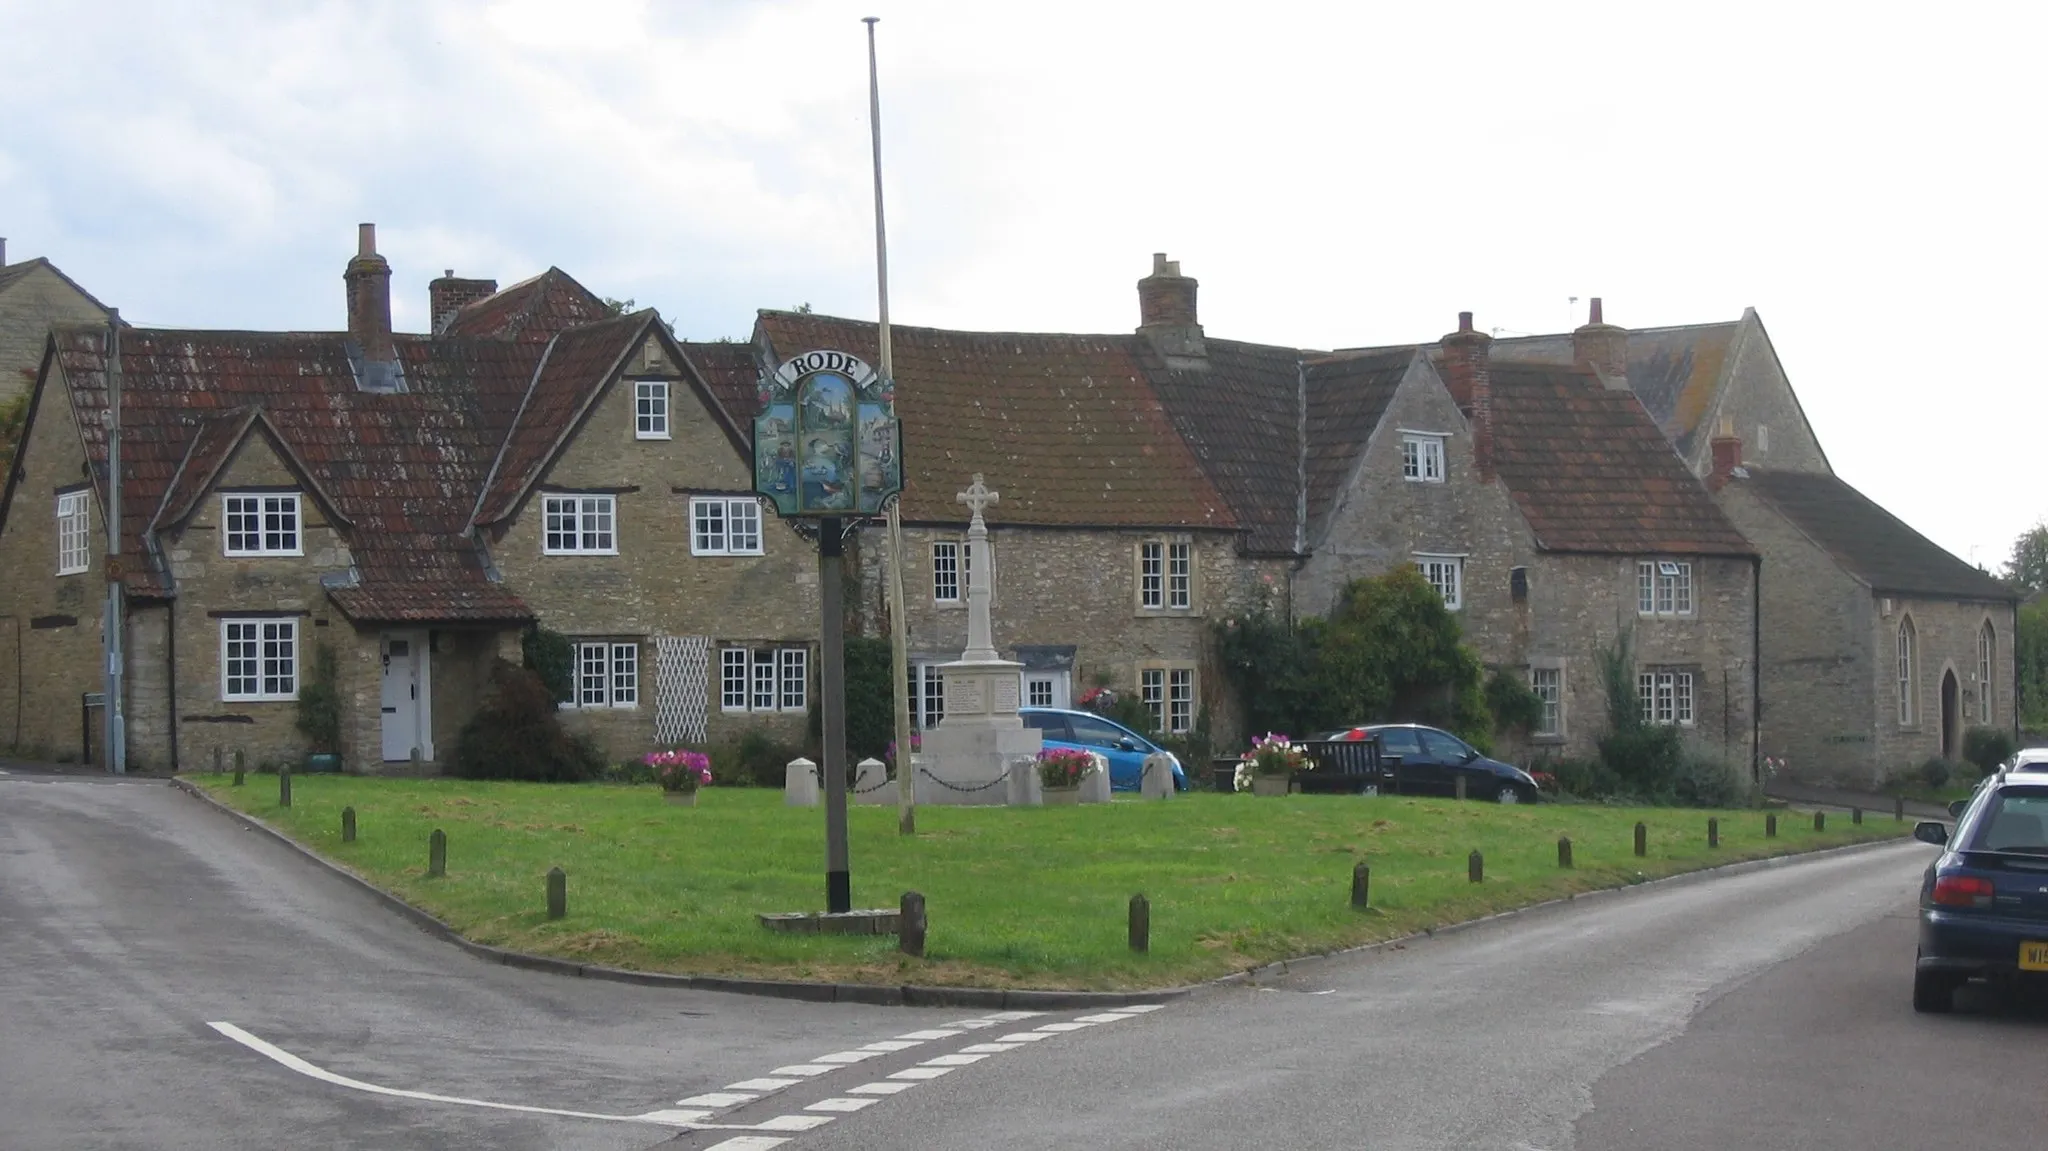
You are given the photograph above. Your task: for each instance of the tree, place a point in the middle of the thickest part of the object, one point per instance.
(2028, 566)
(1391, 651)
(2030, 649)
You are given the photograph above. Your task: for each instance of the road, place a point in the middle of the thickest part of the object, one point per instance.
(1768, 1008)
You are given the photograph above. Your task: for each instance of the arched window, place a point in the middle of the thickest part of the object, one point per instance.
(1908, 709)
(1987, 658)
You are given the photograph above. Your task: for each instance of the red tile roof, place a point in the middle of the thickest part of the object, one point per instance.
(532, 311)
(729, 370)
(1066, 428)
(1242, 415)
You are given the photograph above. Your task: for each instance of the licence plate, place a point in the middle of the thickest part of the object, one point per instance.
(2033, 956)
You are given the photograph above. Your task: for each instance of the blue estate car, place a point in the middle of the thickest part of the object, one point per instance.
(1984, 899)
(1123, 748)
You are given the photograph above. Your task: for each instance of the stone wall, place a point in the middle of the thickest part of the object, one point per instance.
(655, 586)
(1945, 634)
(28, 307)
(1758, 403)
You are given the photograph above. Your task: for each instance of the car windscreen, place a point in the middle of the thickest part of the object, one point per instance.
(2015, 820)
(1400, 741)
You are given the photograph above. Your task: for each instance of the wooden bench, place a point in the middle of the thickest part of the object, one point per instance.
(1345, 766)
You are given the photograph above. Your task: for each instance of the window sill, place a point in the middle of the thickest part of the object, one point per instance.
(709, 555)
(652, 436)
(1549, 739)
(1168, 612)
(300, 554)
(572, 555)
(74, 572)
(293, 698)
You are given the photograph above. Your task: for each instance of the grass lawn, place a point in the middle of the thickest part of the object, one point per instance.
(1027, 897)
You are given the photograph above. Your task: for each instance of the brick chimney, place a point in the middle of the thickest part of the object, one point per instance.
(368, 278)
(448, 295)
(1727, 458)
(1603, 347)
(1166, 315)
(1466, 373)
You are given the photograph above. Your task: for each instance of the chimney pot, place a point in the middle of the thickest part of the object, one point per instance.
(1167, 316)
(1468, 376)
(3, 251)
(1594, 316)
(1727, 457)
(1464, 321)
(368, 278)
(1602, 348)
(366, 239)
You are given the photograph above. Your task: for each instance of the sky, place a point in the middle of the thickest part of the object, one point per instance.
(1335, 175)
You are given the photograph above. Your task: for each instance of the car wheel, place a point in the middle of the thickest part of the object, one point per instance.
(1508, 793)
(1934, 993)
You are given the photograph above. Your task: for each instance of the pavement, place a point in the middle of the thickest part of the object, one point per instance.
(1809, 795)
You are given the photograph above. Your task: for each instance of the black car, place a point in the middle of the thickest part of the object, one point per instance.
(1984, 900)
(1419, 760)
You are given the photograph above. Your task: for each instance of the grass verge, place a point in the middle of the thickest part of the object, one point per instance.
(1017, 897)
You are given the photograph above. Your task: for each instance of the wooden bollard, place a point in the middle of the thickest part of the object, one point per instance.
(1361, 884)
(1820, 821)
(1899, 809)
(1141, 923)
(1713, 833)
(1856, 816)
(911, 925)
(558, 893)
(1564, 851)
(238, 767)
(1771, 825)
(1642, 840)
(348, 825)
(216, 761)
(284, 786)
(437, 854)
(1475, 867)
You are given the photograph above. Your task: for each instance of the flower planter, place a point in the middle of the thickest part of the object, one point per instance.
(1269, 785)
(323, 763)
(1062, 795)
(681, 798)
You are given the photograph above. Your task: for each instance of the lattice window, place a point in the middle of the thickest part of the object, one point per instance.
(682, 688)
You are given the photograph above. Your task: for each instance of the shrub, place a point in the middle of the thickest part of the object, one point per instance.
(1512, 703)
(1935, 773)
(753, 760)
(1705, 781)
(870, 699)
(549, 655)
(1645, 759)
(517, 734)
(1987, 747)
(319, 718)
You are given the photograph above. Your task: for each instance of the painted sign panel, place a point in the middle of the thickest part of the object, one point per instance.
(827, 442)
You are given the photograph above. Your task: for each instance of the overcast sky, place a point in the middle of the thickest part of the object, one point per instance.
(1334, 175)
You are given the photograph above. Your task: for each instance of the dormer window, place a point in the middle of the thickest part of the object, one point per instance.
(650, 409)
(1422, 458)
(261, 525)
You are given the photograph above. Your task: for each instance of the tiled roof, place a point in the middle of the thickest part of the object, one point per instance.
(1242, 415)
(431, 602)
(729, 370)
(1674, 371)
(401, 469)
(1065, 427)
(1869, 542)
(1591, 472)
(531, 312)
(1347, 396)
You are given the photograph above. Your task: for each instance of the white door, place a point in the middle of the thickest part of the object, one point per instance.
(1045, 689)
(402, 711)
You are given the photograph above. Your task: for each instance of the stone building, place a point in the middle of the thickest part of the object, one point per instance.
(34, 296)
(1545, 505)
(409, 503)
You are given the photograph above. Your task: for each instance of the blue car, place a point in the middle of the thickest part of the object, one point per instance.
(1123, 748)
(1984, 899)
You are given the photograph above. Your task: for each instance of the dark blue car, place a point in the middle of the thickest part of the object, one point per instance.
(1984, 900)
(1123, 748)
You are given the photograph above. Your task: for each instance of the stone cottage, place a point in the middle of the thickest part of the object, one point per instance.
(34, 296)
(409, 503)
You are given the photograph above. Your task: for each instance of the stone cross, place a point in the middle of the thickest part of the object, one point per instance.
(981, 646)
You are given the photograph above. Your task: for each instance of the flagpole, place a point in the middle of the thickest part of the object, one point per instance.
(899, 641)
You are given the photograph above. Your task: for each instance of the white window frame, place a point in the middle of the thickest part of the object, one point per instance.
(927, 695)
(1180, 700)
(1666, 697)
(272, 674)
(1180, 576)
(1445, 573)
(725, 526)
(74, 532)
(1664, 588)
(1152, 575)
(1987, 660)
(1422, 458)
(949, 569)
(579, 525)
(1548, 685)
(763, 680)
(650, 410)
(1038, 690)
(1908, 656)
(1152, 691)
(1165, 571)
(605, 674)
(263, 506)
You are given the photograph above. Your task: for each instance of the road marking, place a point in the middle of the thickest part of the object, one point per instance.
(805, 1070)
(841, 1103)
(933, 1033)
(921, 1073)
(892, 1045)
(882, 1088)
(287, 1059)
(762, 1084)
(717, 1099)
(1024, 1037)
(748, 1143)
(843, 1057)
(954, 1060)
(792, 1123)
(1063, 1027)
(1105, 1017)
(989, 1048)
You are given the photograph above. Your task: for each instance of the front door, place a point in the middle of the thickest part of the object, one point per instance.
(1951, 748)
(1045, 689)
(404, 698)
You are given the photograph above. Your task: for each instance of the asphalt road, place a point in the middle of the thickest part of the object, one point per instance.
(1766, 1009)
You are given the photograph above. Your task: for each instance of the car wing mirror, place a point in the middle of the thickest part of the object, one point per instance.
(1928, 831)
(1957, 807)
(1127, 744)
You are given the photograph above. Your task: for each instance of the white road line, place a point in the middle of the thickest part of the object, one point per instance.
(1063, 1027)
(793, 1123)
(989, 1048)
(1105, 1017)
(1140, 1008)
(287, 1059)
(762, 1084)
(748, 1143)
(844, 1057)
(717, 1099)
(953, 1060)
(805, 1070)
(1024, 1037)
(971, 1024)
(883, 1087)
(1014, 1016)
(921, 1073)
(932, 1033)
(841, 1104)
(892, 1045)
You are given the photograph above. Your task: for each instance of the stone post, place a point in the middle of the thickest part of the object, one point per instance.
(871, 783)
(1157, 782)
(800, 783)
